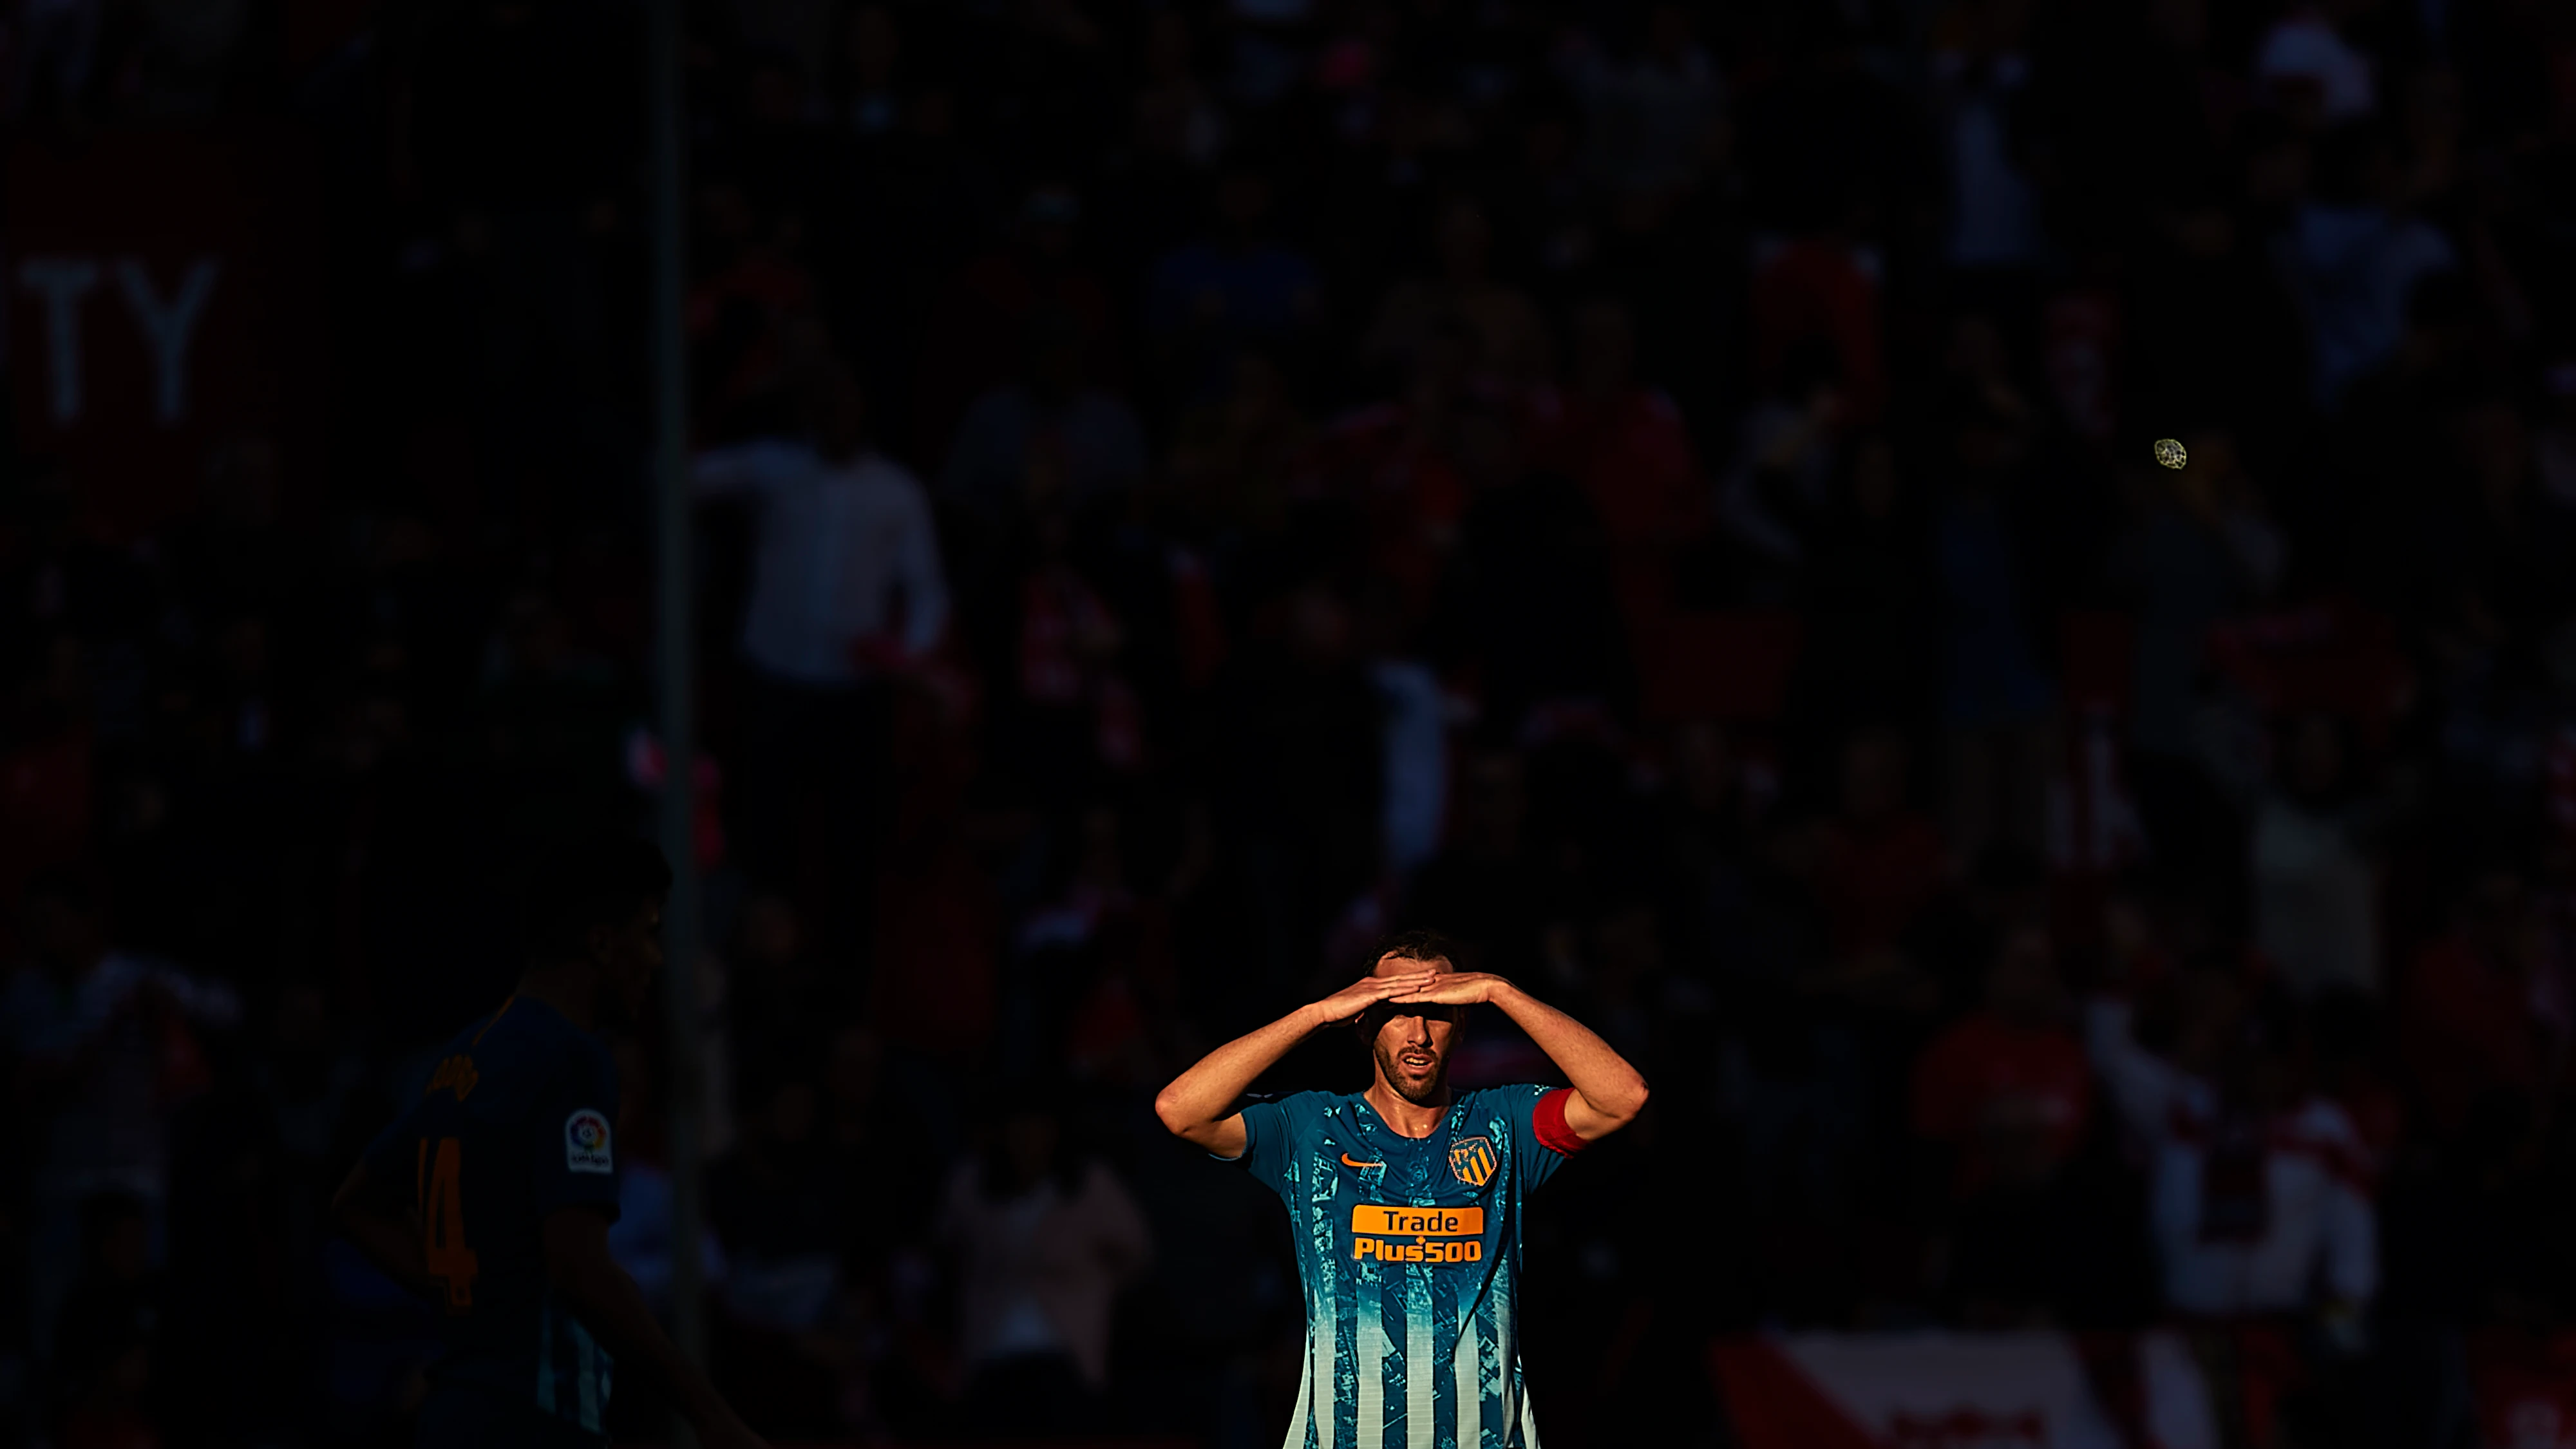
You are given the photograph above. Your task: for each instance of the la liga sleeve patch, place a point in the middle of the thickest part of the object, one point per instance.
(586, 1146)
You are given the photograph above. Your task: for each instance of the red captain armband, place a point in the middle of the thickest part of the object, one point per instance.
(1548, 1121)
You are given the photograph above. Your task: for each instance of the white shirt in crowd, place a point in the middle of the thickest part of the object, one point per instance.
(1414, 740)
(846, 554)
(2316, 900)
(1994, 212)
(2311, 1225)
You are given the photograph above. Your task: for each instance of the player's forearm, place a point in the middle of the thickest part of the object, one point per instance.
(1605, 1081)
(1199, 1097)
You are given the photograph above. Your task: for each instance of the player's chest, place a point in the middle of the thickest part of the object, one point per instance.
(1444, 1167)
(1393, 1199)
(1364, 1164)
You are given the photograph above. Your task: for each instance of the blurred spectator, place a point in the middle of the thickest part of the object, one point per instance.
(2322, 77)
(2002, 1099)
(847, 589)
(1790, 446)
(1650, 111)
(2260, 1188)
(1511, 338)
(1548, 219)
(106, 1044)
(1045, 1239)
(1981, 72)
(641, 1238)
(1625, 443)
(2354, 255)
(1051, 440)
(2472, 1040)
(1527, 606)
(1415, 732)
(1075, 715)
(780, 981)
(1879, 860)
(2007, 1089)
(1241, 286)
(1067, 965)
(749, 310)
(2316, 885)
(1396, 463)
(976, 336)
(780, 1206)
(1235, 455)
(2495, 550)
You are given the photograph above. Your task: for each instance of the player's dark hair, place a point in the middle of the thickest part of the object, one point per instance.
(1418, 946)
(603, 882)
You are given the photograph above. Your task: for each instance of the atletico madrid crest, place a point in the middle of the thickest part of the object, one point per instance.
(1474, 1160)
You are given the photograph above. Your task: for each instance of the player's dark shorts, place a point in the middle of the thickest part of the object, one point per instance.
(462, 1416)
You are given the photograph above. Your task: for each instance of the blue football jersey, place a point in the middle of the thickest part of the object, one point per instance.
(1410, 1253)
(514, 1124)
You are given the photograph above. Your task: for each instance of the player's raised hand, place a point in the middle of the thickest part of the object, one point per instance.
(1348, 1003)
(1451, 988)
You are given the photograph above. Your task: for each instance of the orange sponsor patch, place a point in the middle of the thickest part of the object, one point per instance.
(1381, 1220)
(1401, 1234)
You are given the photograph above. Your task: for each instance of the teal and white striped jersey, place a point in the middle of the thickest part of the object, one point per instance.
(1410, 1252)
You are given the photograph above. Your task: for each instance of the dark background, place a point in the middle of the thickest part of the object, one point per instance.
(1661, 492)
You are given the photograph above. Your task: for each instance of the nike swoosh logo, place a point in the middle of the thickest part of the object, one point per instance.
(1350, 1161)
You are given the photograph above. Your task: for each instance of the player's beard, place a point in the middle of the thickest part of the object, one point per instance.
(1428, 1091)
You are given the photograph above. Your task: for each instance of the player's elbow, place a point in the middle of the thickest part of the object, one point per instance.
(1189, 1122)
(1628, 1101)
(1173, 1112)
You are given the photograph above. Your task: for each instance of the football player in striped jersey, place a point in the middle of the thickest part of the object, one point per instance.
(1405, 1201)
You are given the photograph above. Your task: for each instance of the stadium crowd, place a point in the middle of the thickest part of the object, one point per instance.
(1659, 492)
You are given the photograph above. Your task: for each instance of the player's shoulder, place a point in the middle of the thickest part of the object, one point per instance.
(527, 1043)
(1500, 1109)
(1306, 1112)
